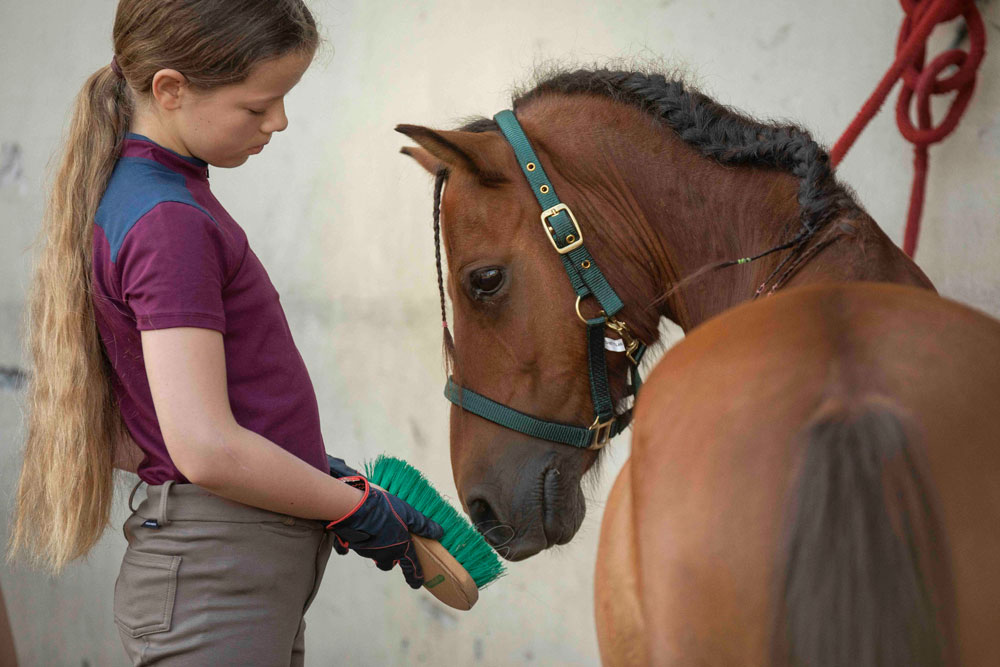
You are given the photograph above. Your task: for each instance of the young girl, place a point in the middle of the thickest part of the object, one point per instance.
(152, 320)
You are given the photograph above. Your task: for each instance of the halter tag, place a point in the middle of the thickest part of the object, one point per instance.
(614, 344)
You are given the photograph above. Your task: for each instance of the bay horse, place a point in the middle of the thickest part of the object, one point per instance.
(813, 474)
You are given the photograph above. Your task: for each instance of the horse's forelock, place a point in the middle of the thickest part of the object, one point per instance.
(480, 124)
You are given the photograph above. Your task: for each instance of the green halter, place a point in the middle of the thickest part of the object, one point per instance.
(564, 233)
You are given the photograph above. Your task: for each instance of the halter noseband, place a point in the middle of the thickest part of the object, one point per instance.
(563, 231)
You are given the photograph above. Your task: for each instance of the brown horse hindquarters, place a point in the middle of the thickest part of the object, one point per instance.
(617, 602)
(845, 380)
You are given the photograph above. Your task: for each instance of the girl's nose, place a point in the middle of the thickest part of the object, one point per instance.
(276, 120)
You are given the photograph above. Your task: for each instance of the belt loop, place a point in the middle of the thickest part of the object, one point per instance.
(161, 514)
(131, 496)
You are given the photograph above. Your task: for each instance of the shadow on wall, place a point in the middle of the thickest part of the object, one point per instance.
(11, 378)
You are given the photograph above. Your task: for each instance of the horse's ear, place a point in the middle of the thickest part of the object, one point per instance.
(424, 158)
(477, 152)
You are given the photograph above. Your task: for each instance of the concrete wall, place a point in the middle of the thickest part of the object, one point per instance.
(347, 241)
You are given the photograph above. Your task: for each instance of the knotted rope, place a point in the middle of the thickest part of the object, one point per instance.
(920, 81)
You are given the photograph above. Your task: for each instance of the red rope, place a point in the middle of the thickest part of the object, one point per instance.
(921, 18)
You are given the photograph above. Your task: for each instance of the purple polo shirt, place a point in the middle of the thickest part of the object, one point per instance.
(166, 254)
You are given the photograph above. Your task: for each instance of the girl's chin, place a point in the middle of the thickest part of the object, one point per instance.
(229, 163)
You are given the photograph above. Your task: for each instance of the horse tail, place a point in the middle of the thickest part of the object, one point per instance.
(866, 578)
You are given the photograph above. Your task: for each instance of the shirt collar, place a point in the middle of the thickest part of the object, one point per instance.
(137, 145)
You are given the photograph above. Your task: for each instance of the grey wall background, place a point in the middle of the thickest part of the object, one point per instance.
(347, 241)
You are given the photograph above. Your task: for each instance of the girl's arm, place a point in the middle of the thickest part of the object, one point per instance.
(186, 368)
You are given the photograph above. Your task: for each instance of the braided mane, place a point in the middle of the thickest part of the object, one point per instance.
(716, 132)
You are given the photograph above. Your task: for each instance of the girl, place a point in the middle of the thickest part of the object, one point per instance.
(151, 320)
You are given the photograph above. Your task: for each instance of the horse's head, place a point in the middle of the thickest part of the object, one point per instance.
(668, 187)
(517, 340)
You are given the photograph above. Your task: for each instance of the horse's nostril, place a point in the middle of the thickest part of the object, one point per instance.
(487, 523)
(481, 513)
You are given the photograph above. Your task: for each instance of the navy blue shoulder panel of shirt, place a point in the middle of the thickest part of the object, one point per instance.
(137, 185)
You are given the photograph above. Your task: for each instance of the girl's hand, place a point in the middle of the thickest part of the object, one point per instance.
(379, 528)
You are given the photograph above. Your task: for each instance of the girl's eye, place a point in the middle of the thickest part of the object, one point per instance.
(255, 112)
(486, 282)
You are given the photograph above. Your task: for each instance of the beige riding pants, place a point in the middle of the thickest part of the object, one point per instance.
(209, 581)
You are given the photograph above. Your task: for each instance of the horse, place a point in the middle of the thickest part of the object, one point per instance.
(812, 470)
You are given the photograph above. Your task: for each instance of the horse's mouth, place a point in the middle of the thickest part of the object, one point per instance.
(552, 527)
(558, 523)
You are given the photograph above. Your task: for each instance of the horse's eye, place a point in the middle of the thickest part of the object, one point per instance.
(486, 282)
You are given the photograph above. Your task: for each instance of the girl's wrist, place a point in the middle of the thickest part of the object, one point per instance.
(347, 499)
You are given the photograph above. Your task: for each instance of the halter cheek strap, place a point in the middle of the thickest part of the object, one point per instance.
(563, 231)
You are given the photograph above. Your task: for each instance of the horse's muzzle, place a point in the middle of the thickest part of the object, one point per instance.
(547, 515)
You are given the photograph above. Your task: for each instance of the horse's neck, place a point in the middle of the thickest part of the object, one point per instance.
(854, 248)
(850, 248)
(696, 214)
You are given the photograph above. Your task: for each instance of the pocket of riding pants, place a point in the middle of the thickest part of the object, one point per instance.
(144, 592)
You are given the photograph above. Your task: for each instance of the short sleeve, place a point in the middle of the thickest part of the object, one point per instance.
(172, 265)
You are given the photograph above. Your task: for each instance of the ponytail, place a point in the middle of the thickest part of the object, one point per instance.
(66, 486)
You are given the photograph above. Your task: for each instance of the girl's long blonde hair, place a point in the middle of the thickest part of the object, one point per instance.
(75, 431)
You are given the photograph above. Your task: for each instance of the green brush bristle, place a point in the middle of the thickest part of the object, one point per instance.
(461, 539)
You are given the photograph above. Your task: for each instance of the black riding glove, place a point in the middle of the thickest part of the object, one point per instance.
(379, 528)
(340, 469)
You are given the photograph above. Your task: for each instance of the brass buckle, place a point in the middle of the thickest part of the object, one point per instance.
(601, 431)
(548, 213)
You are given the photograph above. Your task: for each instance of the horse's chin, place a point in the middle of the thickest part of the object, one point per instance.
(523, 548)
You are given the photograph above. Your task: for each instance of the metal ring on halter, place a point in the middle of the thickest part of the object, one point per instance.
(582, 318)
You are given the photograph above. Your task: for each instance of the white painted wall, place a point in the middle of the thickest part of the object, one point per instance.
(342, 222)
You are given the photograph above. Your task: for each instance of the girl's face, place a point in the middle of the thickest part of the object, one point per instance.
(224, 126)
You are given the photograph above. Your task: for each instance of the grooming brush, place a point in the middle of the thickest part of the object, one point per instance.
(462, 562)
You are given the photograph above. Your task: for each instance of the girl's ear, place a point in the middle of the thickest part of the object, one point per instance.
(478, 152)
(167, 88)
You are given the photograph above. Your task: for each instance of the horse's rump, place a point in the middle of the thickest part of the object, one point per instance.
(814, 483)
